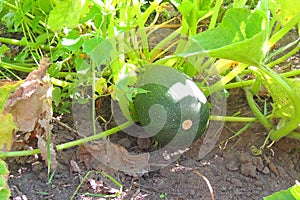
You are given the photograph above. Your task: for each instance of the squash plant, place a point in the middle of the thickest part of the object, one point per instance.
(111, 45)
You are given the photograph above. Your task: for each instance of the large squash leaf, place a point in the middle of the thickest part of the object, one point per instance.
(67, 14)
(284, 10)
(240, 36)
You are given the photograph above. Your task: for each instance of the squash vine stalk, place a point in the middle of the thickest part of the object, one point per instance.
(295, 120)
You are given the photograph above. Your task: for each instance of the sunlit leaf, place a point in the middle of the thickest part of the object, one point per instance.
(6, 131)
(98, 48)
(293, 193)
(284, 10)
(4, 189)
(7, 124)
(101, 85)
(56, 95)
(282, 106)
(240, 36)
(3, 49)
(67, 14)
(73, 41)
(6, 87)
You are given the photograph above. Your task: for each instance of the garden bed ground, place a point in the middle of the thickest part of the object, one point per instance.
(233, 172)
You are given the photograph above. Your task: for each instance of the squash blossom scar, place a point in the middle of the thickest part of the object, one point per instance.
(187, 124)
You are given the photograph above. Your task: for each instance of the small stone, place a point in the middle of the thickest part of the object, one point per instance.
(237, 192)
(248, 169)
(125, 142)
(143, 142)
(232, 166)
(43, 176)
(223, 189)
(229, 155)
(266, 170)
(236, 182)
(192, 192)
(245, 158)
(37, 167)
(258, 162)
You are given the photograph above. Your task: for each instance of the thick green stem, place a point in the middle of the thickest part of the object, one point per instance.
(242, 83)
(232, 119)
(16, 67)
(30, 69)
(255, 110)
(295, 120)
(68, 144)
(12, 41)
(231, 75)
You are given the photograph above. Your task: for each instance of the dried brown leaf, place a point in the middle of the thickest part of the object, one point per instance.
(114, 156)
(30, 101)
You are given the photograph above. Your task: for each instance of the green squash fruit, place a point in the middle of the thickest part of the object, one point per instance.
(174, 110)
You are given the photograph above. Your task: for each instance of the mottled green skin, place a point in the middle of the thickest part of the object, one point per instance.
(167, 119)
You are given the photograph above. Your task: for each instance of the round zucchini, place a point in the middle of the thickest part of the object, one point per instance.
(173, 110)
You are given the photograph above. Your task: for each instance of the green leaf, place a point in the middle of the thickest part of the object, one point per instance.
(67, 14)
(55, 68)
(240, 36)
(6, 87)
(3, 168)
(284, 10)
(101, 85)
(56, 95)
(7, 123)
(73, 41)
(293, 193)
(6, 131)
(98, 48)
(82, 67)
(27, 5)
(282, 105)
(124, 92)
(3, 49)
(4, 189)
(96, 15)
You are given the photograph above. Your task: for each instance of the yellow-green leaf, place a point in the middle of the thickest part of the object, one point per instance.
(6, 131)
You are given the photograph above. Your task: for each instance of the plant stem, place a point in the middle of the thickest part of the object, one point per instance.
(215, 15)
(285, 29)
(16, 67)
(27, 14)
(283, 58)
(226, 79)
(232, 119)
(12, 41)
(255, 110)
(246, 83)
(94, 137)
(68, 144)
(292, 97)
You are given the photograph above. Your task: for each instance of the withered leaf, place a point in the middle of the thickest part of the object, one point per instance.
(114, 156)
(30, 101)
